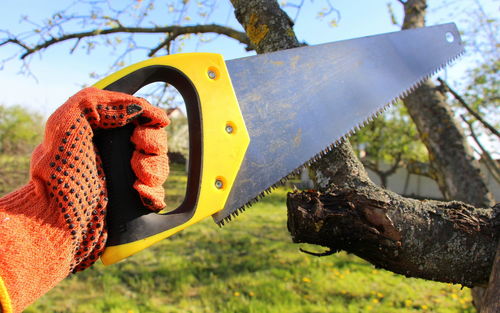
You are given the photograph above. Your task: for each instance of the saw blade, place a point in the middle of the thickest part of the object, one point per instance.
(299, 103)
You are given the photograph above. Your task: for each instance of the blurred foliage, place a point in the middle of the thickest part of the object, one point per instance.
(14, 172)
(20, 130)
(390, 140)
(482, 94)
(481, 88)
(388, 135)
(178, 136)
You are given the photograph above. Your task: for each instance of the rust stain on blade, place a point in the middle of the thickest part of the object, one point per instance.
(298, 138)
(295, 59)
(277, 62)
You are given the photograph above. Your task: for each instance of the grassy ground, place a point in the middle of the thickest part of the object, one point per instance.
(247, 266)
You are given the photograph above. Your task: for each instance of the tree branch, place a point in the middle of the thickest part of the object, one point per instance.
(369, 164)
(164, 43)
(488, 160)
(442, 241)
(353, 214)
(395, 165)
(16, 42)
(177, 30)
(421, 168)
(468, 108)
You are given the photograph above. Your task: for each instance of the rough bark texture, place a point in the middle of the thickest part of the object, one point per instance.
(491, 297)
(447, 146)
(442, 241)
(270, 29)
(267, 26)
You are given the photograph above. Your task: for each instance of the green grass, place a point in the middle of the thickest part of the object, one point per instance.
(248, 266)
(175, 186)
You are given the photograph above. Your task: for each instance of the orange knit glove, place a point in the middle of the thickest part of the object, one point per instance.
(55, 224)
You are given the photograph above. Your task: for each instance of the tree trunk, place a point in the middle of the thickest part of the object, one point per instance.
(267, 26)
(457, 172)
(491, 297)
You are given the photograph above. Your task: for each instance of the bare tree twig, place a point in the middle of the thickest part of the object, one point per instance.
(164, 43)
(488, 160)
(383, 175)
(16, 42)
(420, 168)
(395, 165)
(178, 30)
(75, 46)
(468, 108)
(370, 164)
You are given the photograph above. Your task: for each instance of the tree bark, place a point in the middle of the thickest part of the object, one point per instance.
(267, 26)
(442, 241)
(491, 297)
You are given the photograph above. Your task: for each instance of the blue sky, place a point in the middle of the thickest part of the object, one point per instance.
(59, 74)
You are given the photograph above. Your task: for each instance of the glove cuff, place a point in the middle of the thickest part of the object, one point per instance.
(36, 249)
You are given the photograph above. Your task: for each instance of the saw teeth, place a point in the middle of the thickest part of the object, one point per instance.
(341, 140)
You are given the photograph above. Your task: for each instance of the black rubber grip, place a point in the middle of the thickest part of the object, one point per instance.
(127, 218)
(125, 204)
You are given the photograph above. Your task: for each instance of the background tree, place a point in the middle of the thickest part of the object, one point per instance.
(479, 104)
(20, 131)
(390, 142)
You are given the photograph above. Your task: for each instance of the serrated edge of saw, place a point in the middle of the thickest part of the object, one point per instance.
(339, 141)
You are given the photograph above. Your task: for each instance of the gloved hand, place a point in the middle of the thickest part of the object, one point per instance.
(55, 224)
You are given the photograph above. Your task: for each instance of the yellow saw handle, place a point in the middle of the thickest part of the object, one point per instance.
(218, 140)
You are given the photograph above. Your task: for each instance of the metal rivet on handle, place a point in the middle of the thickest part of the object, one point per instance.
(219, 184)
(211, 74)
(229, 129)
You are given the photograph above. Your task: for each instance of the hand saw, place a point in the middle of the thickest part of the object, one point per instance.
(256, 120)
